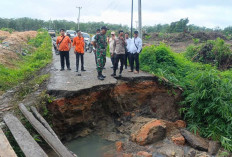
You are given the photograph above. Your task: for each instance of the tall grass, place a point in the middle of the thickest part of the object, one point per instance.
(207, 91)
(29, 64)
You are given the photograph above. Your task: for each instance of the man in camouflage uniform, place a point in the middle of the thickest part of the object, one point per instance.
(100, 45)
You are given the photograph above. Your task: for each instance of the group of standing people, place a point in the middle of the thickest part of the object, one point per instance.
(125, 50)
(122, 49)
(64, 44)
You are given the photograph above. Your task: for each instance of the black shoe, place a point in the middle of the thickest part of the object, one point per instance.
(69, 69)
(102, 75)
(79, 74)
(83, 70)
(62, 69)
(120, 75)
(100, 78)
(114, 75)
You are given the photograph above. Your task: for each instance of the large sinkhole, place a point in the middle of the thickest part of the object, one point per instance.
(107, 111)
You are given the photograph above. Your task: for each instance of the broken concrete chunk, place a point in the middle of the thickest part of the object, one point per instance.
(178, 139)
(214, 146)
(151, 132)
(195, 141)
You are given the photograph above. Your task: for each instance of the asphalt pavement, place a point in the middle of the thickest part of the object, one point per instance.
(69, 81)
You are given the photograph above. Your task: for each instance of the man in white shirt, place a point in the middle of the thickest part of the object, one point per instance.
(111, 47)
(135, 49)
(127, 54)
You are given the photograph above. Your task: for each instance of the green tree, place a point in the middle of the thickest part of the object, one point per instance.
(179, 26)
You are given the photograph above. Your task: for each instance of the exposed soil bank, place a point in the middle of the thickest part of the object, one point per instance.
(140, 115)
(88, 108)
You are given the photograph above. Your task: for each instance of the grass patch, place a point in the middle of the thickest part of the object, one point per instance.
(31, 86)
(207, 91)
(28, 65)
(10, 30)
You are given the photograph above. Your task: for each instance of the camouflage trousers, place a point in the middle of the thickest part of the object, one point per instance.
(101, 59)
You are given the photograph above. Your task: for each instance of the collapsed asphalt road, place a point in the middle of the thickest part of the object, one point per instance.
(67, 81)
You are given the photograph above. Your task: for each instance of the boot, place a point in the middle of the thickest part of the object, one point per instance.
(82, 69)
(120, 74)
(103, 75)
(114, 73)
(100, 77)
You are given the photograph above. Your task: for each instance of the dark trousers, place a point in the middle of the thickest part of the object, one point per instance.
(112, 59)
(64, 55)
(78, 56)
(95, 57)
(121, 58)
(127, 57)
(134, 58)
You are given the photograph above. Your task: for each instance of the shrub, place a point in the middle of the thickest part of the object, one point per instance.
(214, 52)
(10, 30)
(196, 41)
(208, 106)
(147, 37)
(161, 61)
(207, 91)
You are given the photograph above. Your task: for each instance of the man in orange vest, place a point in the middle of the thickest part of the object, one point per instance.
(64, 45)
(79, 44)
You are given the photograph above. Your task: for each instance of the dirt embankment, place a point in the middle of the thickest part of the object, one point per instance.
(180, 41)
(87, 107)
(181, 37)
(13, 45)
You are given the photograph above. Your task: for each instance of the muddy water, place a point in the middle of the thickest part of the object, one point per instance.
(90, 146)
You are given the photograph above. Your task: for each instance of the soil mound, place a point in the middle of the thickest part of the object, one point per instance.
(183, 37)
(12, 45)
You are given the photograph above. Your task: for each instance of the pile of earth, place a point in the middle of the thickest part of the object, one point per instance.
(180, 37)
(13, 45)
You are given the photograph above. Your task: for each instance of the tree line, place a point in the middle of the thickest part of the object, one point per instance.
(25, 24)
(183, 26)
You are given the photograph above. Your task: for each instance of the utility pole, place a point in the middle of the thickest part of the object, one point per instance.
(49, 27)
(136, 22)
(140, 19)
(132, 6)
(78, 19)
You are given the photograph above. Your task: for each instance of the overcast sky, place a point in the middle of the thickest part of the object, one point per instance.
(209, 13)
